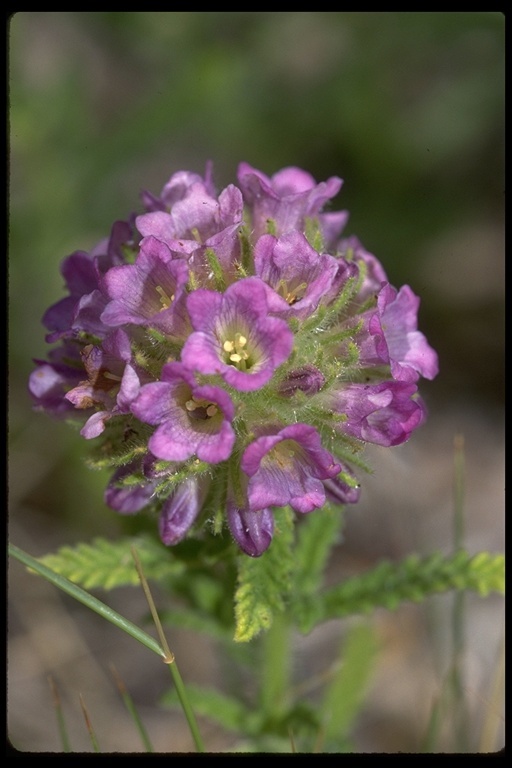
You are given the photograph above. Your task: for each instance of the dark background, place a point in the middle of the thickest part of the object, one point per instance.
(408, 108)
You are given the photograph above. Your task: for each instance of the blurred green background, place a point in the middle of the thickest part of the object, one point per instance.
(407, 107)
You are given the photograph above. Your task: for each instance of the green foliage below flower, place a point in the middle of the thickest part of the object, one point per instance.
(288, 577)
(106, 564)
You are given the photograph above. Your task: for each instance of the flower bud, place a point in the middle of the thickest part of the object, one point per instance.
(307, 379)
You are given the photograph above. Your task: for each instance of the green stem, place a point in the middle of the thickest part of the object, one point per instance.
(277, 657)
(170, 658)
(185, 703)
(84, 597)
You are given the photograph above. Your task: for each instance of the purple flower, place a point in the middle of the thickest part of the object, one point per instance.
(150, 292)
(181, 509)
(80, 275)
(190, 418)
(112, 382)
(128, 499)
(251, 529)
(225, 246)
(178, 188)
(288, 199)
(385, 413)
(388, 336)
(352, 252)
(50, 381)
(298, 274)
(234, 335)
(409, 352)
(288, 467)
(81, 309)
(197, 216)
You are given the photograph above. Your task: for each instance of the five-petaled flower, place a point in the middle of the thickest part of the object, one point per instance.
(191, 419)
(235, 336)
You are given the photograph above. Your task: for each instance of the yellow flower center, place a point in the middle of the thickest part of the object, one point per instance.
(200, 409)
(283, 454)
(236, 351)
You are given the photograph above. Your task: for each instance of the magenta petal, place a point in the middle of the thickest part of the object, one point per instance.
(410, 354)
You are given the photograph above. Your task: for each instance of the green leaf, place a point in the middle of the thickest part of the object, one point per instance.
(197, 621)
(264, 582)
(317, 534)
(414, 579)
(107, 564)
(225, 710)
(345, 694)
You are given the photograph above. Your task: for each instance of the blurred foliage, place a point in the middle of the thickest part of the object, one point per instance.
(407, 107)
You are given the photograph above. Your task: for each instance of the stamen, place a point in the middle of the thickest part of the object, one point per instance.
(238, 355)
(165, 301)
(291, 296)
(201, 409)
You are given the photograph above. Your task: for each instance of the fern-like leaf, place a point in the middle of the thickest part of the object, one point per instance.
(107, 564)
(414, 579)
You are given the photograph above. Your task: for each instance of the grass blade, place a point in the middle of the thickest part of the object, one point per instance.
(130, 706)
(63, 731)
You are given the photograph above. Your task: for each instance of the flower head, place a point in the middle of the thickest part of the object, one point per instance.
(230, 354)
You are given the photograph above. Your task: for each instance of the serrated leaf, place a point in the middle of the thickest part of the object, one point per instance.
(414, 579)
(264, 582)
(107, 564)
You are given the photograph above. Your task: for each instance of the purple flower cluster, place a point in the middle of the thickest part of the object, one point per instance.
(229, 353)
